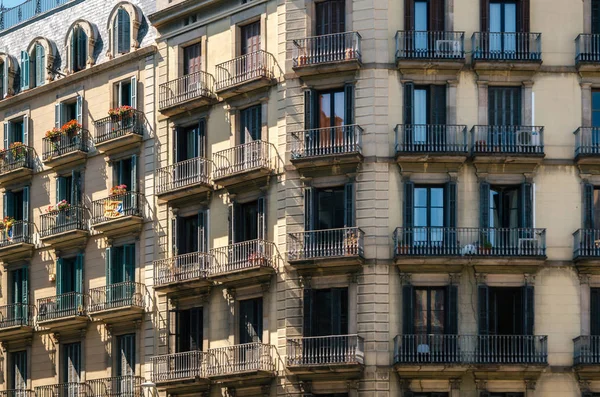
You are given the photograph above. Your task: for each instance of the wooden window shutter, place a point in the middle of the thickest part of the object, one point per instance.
(24, 70)
(308, 315)
(594, 311)
(309, 209)
(484, 14)
(525, 16)
(108, 265)
(409, 12)
(349, 104)
(409, 92)
(407, 309)
(484, 205)
(409, 188)
(309, 114)
(528, 309)
(437, 103)
(349, 205)
(436, 15)
(451, 327)
(483, 309)
(450, 210)
(588, 206)
(526, 198)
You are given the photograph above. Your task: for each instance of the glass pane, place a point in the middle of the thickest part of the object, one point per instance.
(420, 197)
(420, 217)
(420, 319)
(437, 217)
(595, 100)
(421, 25)
(437, 311)
(596, 208)
(510, 17)
(338, 103)
(324, 110)
(437, 197)
(495, 17)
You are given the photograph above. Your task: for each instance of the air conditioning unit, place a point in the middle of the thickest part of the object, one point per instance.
(528, 138)
(448, 48)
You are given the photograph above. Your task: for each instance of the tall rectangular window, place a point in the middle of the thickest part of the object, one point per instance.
(250, 35)
(125, 359)
(504, 106)
(503, 25)
(595, 16)
(71, 363)
(251, 320)
(330, 208)
(18, 365)
(325, 312)
(190, 325)
(429, 311)
(428, 213)
(330, 17)
(250, 124)
(192, 62)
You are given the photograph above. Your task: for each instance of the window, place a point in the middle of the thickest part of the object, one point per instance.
(16, 130)
(330, 17)
(79, 43)
(120, 264)
(190, 331)
(122, 32)
(18, 374)
(18, 290)
(595, 16)
(3, 80)
(250, 124)
(38, 59)
(329, 208)
(71, 363)
(250, 35)
(125, 93)
(506, 310)
(192, 61)
(190, 142)
(67, 111)
(24, 70)
(591, 206)
(16, 206)
(504, 106)
(425, 115)
(125, 173)
(250, 320)
(594, 311)
(247, 221)
(503, 25)
(430, 310)
(325, 312)
(69, 285)
(190, 233)
(125, 362)
(68, 187)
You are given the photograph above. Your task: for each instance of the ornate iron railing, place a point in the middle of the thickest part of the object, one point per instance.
(19, 232)
(185, 88)
(117, 386)
(587, 141)
(431, 138)
(586, 350)
(65, 144)
(16, 157)
(64, 305)
(72, 389)
(183, 174)
(113, 127)
(466, 241)
(181, 268)
(16, 315)
(507, 139)
(258, 64)
(325, 350)
(117, 206)
(329, 141)
(17, 393)
(118, 295)
(587, 48)
(230, 360)
(328, 243)
(586, 243)
(60, 221)
(336, 47)
(243, 256)
(430, 45)
(520, 46)
(10, 17)
(242, 158)
(179, 366)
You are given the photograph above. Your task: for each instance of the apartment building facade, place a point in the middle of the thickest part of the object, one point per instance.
(321, 198)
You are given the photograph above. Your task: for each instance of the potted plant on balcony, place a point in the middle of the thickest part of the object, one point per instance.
(402, 249)
(302, 59)
(485, 246)
(71, 128)
(350, 53)
(118, 190)
(18, 150)
(481, 146)
(350, 243)
(257, 259)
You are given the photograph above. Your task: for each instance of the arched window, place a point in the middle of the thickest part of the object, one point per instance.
(79, 43)
(37, 63)
(122, 32)
(7, 75)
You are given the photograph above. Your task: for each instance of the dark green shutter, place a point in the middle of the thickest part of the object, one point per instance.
(175, 144)
(24, 70)
(81, 48)
(202, 138)
(262, 218)
(450, 210)
(108, 265)
(349, 104)
(451, 310)
(409, 24)
(26, 201)
(309, 208)
(59, 276)
(437, 103)
(484, 205)
(73, 53)
(309, 105)
(230, 236)
(6, 134)
(40, 60)
(588, 206)
(407, 309)
(79, 110)
(349, 205)
(75, 187)
(129, 262)
(483, 309)
(526, 218)
(203, 230)
(308, 313)
(594, 311)
(58, 115)
(174, 229)
(25, 284)
(528, 309)
(409, 191)
(9, 204)
(61, 189)
(436, 18)
(79, 273)
(133, 88)
(134, 162)
(409, 92)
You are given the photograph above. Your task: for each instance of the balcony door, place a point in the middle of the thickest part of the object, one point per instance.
(595, 17)
(189, 330)
(332, 112)
(429, 215)
(71, 368)
(595, 138)
(125, 358)
(120, 271)
(503, 28)
(425, 117)
(68, 188)
(190, 142)
(192, 60)
(249, 66)
(19, 297)
(18, 378)
(251, 320)
(69, 285)
(330, 17)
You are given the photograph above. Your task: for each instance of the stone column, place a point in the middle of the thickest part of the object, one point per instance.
(527, 116)
(482, 99)
(586, 104)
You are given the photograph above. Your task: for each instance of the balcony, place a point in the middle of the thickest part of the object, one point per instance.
(245, 73)
(117, 302)
(246, 163)
(448, 249)
(119, 214)
(439, 50)
(67, 310)
(25, 11)
(245, 262)
(66, 148)
(421, 356)
(342, 355)
(512, 145)
(587, 145)
(64, 390)
(186, 93)
(16, 320)
(16, 163)
(331, 248)
(501, 51)
(586, 250)
(16, 242)
(330, 53)
(184, 179)
(182, 272)
(587, 52)
(180, 372)
(118, 133)
(323, 148)
(64, 228)
(425, 145)
(17, 393)
(117, 386)
(586, 357)
(247, 363)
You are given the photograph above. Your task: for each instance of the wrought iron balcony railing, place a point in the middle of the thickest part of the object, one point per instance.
(17, 393)
(69, 304)
(329, 48)
(15, 157)
(587, 141)
(185, 88)
(430, 45)
(117, 295)
(325, 350)
(329, 141)
(71, 389)
(181, 268)
(117, 206)
(471, 349)
(183, 174)
(587, 48)
(248, 357)
(65, 144)
(65, 220)
(328, 243)
(242, 256)
(113, 127)
(10, 17)
(465, 241)
(431, 138)
(245, 68)
(117, 386)
(518, 46)
(19, 232)
(507, 139)
(16, 315)
(586, 243)
(179, 366)
(586, 350)
(242, 158)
